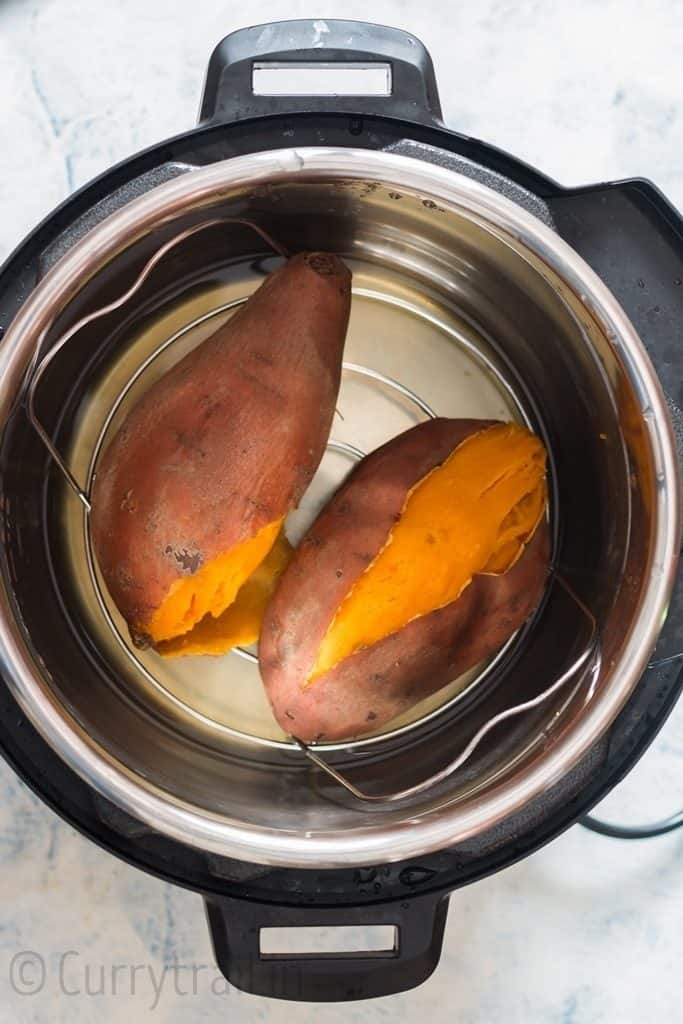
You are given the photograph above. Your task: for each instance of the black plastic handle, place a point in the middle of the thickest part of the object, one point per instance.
(632, 236)
(327, 977)
(229, 95)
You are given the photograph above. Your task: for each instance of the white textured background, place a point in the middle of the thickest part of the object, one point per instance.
(586, 931)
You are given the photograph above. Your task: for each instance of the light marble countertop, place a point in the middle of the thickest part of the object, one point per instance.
(588, 929)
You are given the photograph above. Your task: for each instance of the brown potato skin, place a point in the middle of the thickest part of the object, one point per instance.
(374, 685)
(227, 441)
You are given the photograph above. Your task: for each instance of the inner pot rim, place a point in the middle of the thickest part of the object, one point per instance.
(444, 825)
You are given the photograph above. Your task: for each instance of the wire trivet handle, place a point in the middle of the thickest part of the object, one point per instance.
(590, 651)
(147, 269)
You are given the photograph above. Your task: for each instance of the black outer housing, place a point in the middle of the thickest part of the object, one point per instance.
(633, 238)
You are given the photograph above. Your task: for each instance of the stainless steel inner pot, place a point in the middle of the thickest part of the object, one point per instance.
(478, 309)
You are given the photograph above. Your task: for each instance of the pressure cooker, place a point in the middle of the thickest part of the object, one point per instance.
(481, 288)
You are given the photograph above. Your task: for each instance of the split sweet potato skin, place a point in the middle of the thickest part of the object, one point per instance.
(374, 685)
(227, 441)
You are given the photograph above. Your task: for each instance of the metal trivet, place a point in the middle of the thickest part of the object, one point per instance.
(589, 656)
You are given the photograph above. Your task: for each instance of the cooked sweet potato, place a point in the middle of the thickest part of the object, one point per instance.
(240, 623)
(191, 494)
(428, 558)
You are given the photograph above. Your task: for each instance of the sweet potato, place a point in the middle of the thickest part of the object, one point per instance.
(428, 558)
(192, 492)
(240, 623)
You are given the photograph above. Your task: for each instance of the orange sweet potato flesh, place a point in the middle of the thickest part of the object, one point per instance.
(191, 493)
(240, 624)
(472, 514)
(212, 589)
(429, 557)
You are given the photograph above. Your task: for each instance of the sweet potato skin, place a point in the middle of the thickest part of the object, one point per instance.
(374, 685)
(227, 441)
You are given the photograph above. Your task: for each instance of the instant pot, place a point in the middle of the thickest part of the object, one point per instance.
(481, 288)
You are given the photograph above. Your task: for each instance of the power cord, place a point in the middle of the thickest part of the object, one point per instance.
(658, 828)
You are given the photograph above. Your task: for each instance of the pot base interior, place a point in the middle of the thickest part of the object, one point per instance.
(395, 331)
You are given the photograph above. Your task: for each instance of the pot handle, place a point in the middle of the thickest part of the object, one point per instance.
(403, 83)
(632, 237)
(236, 926)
